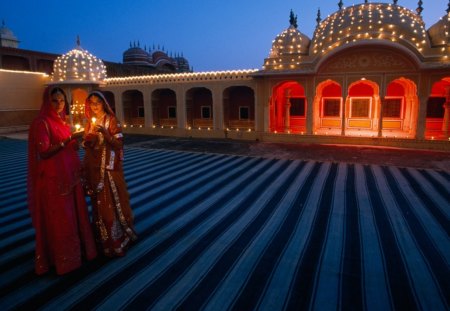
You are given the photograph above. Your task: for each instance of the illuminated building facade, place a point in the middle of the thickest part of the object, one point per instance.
(371, 74)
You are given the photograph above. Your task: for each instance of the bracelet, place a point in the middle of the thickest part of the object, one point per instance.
(62, 144)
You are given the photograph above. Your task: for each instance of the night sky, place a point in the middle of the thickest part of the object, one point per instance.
(211, 34)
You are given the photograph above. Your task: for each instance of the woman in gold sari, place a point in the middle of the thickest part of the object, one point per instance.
(104, 179)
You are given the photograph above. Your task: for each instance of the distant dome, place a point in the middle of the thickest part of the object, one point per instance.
(78, 65)
(182, 64)
(136, 56)
(370, 21)
(440, 32)
(7, 38)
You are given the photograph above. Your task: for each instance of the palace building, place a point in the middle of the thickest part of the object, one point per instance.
(372, 73)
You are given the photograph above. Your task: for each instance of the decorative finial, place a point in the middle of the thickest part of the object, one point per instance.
(366, 1)
(448, 7)
(318, 19)
(340, 4)
(78, 40)
(419, 8)
(395, 1)
(293, 19)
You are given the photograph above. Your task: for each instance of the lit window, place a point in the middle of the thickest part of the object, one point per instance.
(393, 107)
(360, 107)
(331, 107)
(297, 107)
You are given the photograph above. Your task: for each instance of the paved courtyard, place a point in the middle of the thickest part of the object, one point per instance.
(238, 225)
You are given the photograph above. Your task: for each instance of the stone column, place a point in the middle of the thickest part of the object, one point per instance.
(445, 123)
(343, 111)
(287, 111)
(218, 108)
(181, 108)
(148, 109)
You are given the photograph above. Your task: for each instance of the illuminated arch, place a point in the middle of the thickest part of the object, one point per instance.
(327, 106)
(288, 108)
(400, 106)
(438, 110)
(362, 107)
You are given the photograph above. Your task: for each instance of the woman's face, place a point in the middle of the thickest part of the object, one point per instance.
(96, 104)
(58, 102)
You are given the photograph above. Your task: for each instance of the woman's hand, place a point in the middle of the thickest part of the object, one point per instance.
(77, 135)
(101, 129)
(90, 140)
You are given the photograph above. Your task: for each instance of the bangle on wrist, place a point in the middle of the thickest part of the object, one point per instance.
(62, 144)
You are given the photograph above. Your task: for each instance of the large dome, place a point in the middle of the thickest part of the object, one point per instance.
(370, 21)
(78, 66)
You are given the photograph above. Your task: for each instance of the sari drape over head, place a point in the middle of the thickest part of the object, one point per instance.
(105, 183)
(55, 195)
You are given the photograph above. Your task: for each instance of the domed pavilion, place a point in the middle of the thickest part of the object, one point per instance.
(78, 72)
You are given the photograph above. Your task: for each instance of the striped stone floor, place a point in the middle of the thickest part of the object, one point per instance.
(221, 232)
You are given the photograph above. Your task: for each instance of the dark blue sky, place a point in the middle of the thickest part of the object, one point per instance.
(211, 34)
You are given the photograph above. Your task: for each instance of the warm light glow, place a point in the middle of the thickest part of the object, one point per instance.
(93, 120)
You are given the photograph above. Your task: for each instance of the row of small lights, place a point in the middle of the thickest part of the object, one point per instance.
(188, 128)
(250, 130)
(179, 76)
(79, 64)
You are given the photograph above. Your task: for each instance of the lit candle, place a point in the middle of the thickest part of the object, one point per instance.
(77, 127)
(93, 120)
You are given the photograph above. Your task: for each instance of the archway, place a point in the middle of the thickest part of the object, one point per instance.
(328, 108)
(239, 107)
(362, 108)
(199, 108)
(288, 108)
(164, 107)
(438, 111)
(399, 108)
(133, 108)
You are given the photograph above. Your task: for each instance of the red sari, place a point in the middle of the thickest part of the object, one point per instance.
(55, 196)
(105, 183)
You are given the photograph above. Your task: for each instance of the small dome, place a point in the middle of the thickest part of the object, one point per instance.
(440, 32)
(370, 21)
(7, 38)
(288, 48)
(290, 41)
(78, 65)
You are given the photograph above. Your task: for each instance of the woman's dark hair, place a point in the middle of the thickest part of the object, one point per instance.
(55, 90)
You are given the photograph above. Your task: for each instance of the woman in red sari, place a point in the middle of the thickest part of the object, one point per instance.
(55, 195)
(104, 179)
